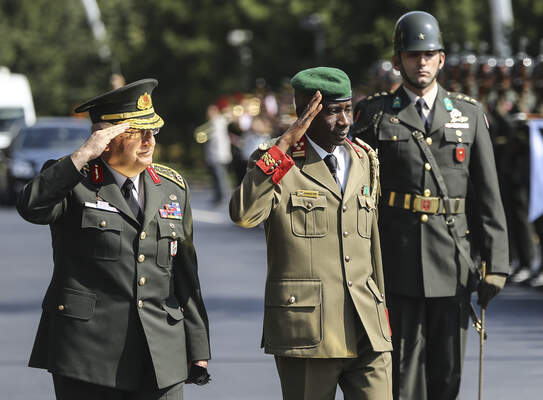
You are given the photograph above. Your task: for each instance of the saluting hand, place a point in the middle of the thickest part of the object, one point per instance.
(295, 132)
(96, 144)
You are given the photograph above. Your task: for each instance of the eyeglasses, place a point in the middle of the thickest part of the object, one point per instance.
(134, 133)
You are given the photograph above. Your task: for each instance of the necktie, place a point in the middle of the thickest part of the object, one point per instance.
(419, 105)
(127, 188)
(331, 162)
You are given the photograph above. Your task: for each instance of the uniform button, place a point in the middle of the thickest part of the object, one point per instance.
(467, 232)
(103, 224)
(140, 303)
(427, 192)
(350, 283)
(345, 234)
(174, 234)
(309, 205)
(182, 310)
(347, 258)
(142, 281)
(458, 133)
(394, 138)
(143, 235)
(141, 258)
(427, 167)
(172, 225)
(459, 140)
(61, 307)
(424, 218)
(292, 299)
(429, 141)
(344, 208)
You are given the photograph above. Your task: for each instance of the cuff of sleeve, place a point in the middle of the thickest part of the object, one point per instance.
(276, 163)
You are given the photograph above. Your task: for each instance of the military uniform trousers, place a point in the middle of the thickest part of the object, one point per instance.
(429, 337)
(366, 377)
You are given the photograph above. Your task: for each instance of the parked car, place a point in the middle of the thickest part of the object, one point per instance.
(48, 138)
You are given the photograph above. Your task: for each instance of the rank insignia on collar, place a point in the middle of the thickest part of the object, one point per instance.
(171, 211)
(448, 104)
(397, 102)
(153, 174)
(97, 173)
(366, 190)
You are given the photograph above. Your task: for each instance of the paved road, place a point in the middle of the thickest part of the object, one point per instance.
(232, 272)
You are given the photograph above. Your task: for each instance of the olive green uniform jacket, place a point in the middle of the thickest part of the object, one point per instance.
(116, 288)
(420, 258)
(324, 288)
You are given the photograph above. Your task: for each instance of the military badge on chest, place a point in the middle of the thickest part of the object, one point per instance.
(173, 248)
(171, 211)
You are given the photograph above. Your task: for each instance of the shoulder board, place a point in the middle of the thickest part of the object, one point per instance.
(461, 96)
(377, 95)
(374, 167)
(267, 144)
(170, 174)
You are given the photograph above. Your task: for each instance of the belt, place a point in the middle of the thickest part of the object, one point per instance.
(429, 205)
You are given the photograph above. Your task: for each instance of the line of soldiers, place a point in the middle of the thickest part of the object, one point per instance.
(511, 92)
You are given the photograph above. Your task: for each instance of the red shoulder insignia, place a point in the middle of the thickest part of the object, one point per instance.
(97, 173)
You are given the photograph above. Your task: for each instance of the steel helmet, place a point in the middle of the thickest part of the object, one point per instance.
(417, 31)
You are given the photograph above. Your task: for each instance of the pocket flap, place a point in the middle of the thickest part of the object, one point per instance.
(375, 290)
(170, 228)
(390, 132)
(74, 303)
(365, 202)
(452, 137)
(293, 293)
(102, 220)
(308, 203)
(172, 307)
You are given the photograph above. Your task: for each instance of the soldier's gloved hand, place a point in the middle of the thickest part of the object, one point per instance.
(490, 287)
(198, 374)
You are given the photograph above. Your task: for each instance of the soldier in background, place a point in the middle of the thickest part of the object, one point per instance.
(423, 223)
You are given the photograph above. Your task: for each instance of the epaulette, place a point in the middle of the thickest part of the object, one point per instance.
(170, 174)
(374, 167)
(377, 95)
(267, 144)
(461, 96)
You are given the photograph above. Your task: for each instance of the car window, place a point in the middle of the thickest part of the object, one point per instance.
(9, 117)
(52, 138)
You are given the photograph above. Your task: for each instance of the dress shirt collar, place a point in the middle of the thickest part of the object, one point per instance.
(429, 98)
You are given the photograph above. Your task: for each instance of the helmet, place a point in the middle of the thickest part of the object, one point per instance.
(417, 31)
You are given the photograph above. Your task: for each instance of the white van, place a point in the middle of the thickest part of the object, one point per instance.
(16, 105)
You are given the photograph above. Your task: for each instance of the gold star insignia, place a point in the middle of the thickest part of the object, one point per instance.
(421, 36)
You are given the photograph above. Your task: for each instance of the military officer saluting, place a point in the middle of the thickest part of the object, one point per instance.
(123, 315)
(432, 145)
(325, 316)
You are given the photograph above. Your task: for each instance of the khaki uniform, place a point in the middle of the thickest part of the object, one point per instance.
(324, 290)
(426, 276)
(122, 295)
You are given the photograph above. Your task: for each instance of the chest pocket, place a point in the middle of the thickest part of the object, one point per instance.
(391, 137)
(170, 235)
(101, 234)
(452, 146)
(309, 216)
(365, 210)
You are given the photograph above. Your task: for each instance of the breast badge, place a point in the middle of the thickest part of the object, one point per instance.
(171, 211)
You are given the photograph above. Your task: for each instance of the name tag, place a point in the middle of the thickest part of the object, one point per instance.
(101, 205)
(457, 125)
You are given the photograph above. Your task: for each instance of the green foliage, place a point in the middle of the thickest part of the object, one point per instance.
(183, 43)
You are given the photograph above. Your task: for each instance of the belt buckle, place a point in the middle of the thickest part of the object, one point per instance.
(426, 205)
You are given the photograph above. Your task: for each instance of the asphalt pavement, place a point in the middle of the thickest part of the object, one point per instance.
(232, 264)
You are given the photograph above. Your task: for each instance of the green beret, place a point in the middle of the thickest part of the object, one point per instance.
(333, 83)
(131, 103)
